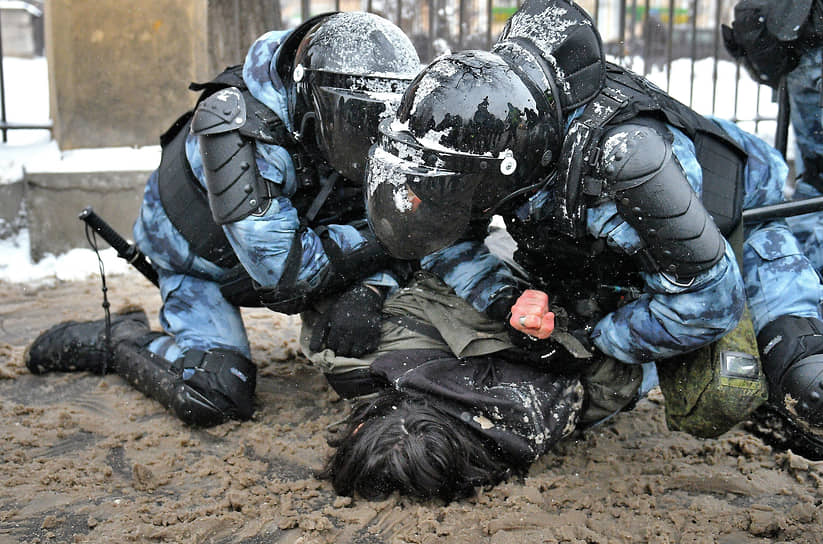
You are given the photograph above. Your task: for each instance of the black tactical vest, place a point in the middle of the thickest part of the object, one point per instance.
(322, 196)
(579, 268)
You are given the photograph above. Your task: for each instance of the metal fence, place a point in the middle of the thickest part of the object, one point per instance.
(35, 14)
(665, 40)
(669, 41)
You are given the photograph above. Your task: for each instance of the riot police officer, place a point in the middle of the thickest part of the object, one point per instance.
(777, 41)
(257, 201)
(620, 199)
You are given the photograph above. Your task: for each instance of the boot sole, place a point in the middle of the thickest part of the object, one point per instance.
(781, 432)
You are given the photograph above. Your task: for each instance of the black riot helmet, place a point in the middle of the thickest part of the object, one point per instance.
(478, 131)
(472, 130)
(346, 71)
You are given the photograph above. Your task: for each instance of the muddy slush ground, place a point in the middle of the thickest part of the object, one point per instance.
(85, 458)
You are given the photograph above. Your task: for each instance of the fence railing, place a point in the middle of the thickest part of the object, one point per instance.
(5, 125)
(669, 41)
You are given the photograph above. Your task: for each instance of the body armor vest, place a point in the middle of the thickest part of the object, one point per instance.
(553, 243)
(625, 97)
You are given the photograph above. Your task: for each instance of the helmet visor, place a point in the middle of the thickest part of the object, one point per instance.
(414, 210)
(350, 109)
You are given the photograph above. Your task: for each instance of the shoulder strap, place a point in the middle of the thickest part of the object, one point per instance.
(261, 122)
(578, 156)
(232, 76)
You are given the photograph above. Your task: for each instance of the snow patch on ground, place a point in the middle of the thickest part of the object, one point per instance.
(16, 265)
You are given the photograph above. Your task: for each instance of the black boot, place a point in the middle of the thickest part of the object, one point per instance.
(201, 388)
(785, 432)
(792, 353)
(73, 345)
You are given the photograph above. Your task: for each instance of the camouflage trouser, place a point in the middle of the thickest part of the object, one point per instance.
(779, 278)
(808, 228)
(196, 316)
(803, 85)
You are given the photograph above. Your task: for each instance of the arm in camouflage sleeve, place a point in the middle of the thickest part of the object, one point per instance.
(477, 275)
(671, 318)
(290, 264)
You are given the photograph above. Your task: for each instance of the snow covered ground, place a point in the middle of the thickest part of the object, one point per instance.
(27, 100)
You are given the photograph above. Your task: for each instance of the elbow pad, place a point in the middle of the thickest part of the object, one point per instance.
(234, 185)
(653, 195)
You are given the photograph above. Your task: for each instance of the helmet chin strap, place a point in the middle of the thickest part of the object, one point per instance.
(308, 117)
(533, 188)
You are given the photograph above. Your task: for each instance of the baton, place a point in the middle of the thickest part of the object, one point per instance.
(784, 209)
(124, 249)
(781, 135)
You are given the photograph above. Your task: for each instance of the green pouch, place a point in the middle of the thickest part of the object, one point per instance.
(709, 391)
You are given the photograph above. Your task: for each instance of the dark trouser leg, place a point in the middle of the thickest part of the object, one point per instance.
(611, 387)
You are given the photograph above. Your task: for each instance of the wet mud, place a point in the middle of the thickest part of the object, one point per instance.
(84, 458)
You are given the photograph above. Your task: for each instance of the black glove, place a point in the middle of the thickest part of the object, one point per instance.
(351, 326)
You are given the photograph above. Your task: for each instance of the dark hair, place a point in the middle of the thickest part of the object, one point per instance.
(403, 442)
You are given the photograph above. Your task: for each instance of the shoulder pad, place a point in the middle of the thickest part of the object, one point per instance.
(262, 123)
(223, 111)
(632, 154)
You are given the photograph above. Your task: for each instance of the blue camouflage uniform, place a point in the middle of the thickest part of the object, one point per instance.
(779, 276)
(669, 319)
(803, 85)
(194, 311)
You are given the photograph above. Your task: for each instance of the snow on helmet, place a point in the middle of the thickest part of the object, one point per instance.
(349, 71)
(472, 129)
(475, 130)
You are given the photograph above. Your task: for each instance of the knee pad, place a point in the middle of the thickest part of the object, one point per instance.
(803, 381)
(213, 387)
(792, 350)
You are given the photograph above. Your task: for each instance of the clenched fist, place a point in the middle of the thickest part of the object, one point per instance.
(531, 315)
